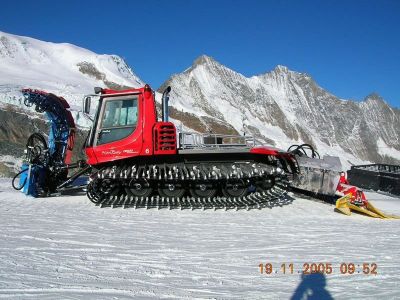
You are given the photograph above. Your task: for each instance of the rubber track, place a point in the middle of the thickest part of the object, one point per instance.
(255, 200)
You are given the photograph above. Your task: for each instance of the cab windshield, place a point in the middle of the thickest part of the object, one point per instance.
(119, 119)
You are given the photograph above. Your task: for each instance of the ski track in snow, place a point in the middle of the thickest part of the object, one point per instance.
(68, 248)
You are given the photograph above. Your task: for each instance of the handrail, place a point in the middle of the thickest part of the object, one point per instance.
(191, 140)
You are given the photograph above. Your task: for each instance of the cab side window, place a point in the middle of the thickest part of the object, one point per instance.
(119, 120)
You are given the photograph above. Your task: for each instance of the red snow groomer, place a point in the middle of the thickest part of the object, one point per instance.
(135, 160)
(139, 161)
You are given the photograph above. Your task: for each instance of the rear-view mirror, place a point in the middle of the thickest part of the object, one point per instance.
(86, 105)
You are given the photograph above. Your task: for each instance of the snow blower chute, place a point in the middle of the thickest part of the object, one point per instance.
(46, 165)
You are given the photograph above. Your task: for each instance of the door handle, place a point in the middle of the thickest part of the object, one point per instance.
(101, 133)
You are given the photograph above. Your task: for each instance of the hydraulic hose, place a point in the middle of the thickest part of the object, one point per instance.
(301, 150)
(15, 177)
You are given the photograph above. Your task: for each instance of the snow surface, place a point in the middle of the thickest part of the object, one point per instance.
(67, 248)
(384, 149)
(11, 162)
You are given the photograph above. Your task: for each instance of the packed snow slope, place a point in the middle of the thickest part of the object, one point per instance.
(67, 248)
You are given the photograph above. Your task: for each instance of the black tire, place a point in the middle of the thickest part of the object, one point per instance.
(98, 189)
(36, 146)
(266, 184)
(140, 189)
(171, 190)
(235, 188)
(203, 190)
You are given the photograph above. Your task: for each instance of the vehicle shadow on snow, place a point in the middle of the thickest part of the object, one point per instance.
(285, 200)
(312, 286)
(256, 202)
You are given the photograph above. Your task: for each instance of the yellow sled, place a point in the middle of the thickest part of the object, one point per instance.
(344, 206)
(380, 213)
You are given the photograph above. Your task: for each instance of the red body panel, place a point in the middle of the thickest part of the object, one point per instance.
(91, 156)
(149, 120)
(164, 134)
(70, 147)
(141, 142)
(287, 159)
(265, 150)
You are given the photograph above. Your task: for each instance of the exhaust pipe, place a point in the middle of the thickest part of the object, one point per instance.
(165, 99)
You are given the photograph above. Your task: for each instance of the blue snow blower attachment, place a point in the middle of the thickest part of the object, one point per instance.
(46, 165)
(31, 178)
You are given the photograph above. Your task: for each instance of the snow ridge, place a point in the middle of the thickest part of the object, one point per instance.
(27, 62)
(288, 107)
(281, 107)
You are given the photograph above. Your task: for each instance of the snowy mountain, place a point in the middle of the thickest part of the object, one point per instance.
(281, 107)
(63, 69)
(285, 107)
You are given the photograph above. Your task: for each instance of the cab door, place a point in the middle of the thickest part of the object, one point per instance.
(118, 132)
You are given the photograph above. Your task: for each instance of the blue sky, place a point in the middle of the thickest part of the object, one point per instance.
(351, 48)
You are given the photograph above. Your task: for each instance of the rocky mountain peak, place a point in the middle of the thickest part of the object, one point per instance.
(285, 107)
(7, 47)
(207, 63)
(286, 72)
(281, 69)
(283, 74)
(203, 60)
(374, 97)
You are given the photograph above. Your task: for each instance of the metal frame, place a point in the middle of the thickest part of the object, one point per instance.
(192, 140)
(378, 168)
(319, 176)
(376, 177)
